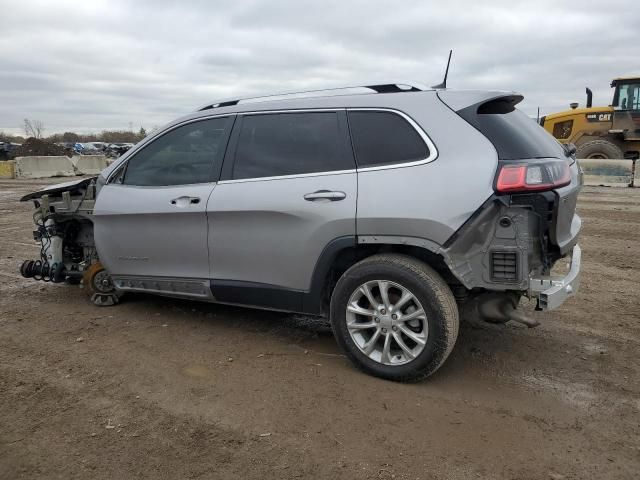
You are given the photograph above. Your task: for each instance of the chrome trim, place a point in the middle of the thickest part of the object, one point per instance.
(199, 184)
(433, 152)
(552, 292)
(283, 177)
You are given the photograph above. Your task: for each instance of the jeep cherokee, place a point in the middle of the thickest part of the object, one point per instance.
(388, 208)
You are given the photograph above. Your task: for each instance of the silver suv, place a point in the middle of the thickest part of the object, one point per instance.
(388, 208)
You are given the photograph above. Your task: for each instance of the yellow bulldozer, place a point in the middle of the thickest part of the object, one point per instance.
(602, 132)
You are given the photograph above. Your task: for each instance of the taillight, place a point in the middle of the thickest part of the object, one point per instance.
(534, 176)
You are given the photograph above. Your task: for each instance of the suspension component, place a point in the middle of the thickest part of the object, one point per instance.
(42, 270)
(99, 286)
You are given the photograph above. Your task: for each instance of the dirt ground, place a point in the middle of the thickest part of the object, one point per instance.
(160, 388)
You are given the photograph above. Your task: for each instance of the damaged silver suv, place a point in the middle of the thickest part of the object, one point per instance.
(388, 208)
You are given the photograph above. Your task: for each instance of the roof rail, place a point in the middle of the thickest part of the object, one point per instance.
(391, 87)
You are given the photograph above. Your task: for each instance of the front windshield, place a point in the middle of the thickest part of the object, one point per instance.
(629, 96)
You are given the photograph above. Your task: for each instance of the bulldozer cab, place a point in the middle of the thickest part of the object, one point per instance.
(627, 94)
(626, 108)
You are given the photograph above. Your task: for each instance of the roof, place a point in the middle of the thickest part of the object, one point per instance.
(615, 81)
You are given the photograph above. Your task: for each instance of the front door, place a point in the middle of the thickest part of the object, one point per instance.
(288, 190)
(150, 223)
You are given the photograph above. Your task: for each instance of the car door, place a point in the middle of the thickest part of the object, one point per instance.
(150, 223)
(288, 189)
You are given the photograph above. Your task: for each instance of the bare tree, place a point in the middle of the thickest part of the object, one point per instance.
(33, 128)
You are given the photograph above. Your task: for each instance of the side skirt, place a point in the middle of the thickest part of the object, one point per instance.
(258, 295)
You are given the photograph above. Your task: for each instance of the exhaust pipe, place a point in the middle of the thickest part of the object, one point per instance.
(589, 98)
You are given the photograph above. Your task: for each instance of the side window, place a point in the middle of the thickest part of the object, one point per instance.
(279, 144)
(384, 138)
(562, 130)
(188, 154)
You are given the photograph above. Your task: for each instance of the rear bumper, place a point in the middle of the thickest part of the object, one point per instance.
(551, 291)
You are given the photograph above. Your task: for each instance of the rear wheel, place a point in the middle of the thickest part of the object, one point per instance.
(599, 149)
(394, 317)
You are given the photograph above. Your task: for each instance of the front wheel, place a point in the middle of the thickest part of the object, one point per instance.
(394, 317)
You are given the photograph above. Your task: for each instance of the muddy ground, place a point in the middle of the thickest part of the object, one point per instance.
(159, 388)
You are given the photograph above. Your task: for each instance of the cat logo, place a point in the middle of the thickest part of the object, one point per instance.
(599, 117)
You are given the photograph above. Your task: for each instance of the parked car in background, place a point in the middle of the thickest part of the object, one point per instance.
(91, 148)
(7, 150)
(117, 149)
(98, 146)
(386, 208)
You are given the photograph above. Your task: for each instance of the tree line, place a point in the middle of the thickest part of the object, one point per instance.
(36, 129)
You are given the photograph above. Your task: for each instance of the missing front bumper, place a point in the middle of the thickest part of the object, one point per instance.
(552, 292)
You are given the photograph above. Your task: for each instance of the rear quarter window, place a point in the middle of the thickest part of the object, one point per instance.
(384, 138)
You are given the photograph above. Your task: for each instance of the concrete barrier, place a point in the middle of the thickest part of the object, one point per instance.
(7, 169)
(44, 167)
(608, 172)
(89, 164)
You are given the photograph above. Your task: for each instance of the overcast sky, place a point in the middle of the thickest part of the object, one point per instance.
(91, 65)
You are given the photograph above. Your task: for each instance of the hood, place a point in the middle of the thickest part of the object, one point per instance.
(72, 187)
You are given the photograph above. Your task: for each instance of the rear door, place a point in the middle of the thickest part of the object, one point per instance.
(150, 218)
(288, 189)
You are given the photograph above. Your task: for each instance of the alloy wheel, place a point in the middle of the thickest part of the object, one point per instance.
(387, 322)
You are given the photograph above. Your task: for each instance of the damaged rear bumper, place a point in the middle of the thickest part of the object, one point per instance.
(552, 292)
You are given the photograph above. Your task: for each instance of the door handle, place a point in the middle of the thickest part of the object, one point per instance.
(184, 201)
(325, 195)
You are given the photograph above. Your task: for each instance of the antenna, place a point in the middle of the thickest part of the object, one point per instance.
(446, 74)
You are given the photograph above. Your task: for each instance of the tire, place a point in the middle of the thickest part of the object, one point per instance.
(599, 149)
(400, 276)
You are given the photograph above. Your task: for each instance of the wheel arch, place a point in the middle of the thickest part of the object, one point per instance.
(343, 252)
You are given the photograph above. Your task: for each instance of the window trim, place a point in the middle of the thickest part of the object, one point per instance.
(234, 131)
(433, 152)
(229, 159)
(215, 173)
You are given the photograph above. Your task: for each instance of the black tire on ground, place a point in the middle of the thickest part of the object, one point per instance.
(430, 290)
(599, 149)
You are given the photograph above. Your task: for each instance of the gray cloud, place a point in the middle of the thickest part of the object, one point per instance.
(87, 66)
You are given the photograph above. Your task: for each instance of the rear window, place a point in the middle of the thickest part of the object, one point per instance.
(514, 135)
(384, 138)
